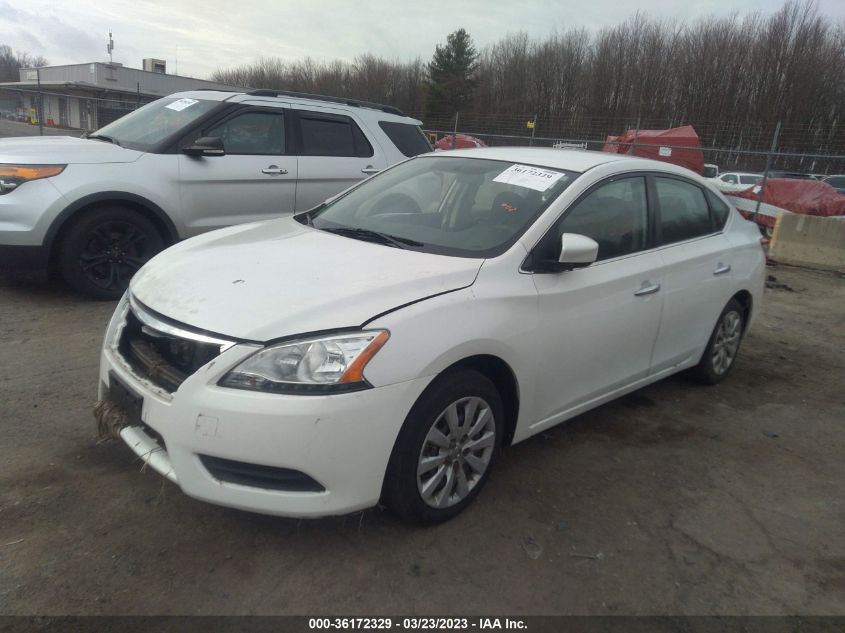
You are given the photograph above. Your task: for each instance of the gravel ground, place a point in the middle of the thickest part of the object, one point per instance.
(678, 499)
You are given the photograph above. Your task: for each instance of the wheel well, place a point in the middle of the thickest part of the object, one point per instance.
(165, 231)
(502, 376)
(743, 297)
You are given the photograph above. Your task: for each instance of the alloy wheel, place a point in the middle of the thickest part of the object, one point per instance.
(456, 452)
(726, 343)
(113, 252)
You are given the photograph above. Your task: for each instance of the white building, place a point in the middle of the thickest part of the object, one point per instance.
(88, 96)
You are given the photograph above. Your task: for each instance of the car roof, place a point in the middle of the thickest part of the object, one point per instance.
(362, 108)
(578, 160)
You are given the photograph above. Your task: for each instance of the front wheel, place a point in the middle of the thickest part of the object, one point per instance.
(104, 247)
(446, 448)
(722, 348)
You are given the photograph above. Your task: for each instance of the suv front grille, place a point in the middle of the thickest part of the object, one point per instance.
(164, 358)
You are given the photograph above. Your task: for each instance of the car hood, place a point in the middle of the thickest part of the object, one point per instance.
(34, 150)
(279, 278)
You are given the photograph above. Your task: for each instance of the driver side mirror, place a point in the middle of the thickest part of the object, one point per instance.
(577, 251)
(206, 146)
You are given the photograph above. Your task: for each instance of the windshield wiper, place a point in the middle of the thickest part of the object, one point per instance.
(370, 235)
(104, 137)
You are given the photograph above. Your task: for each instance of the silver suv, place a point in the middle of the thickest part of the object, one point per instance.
(98, 207)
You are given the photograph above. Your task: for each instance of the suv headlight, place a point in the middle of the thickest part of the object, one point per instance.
(12, 176)
(328, 364)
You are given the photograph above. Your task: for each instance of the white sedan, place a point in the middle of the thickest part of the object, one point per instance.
(387, 344)
(736, 181)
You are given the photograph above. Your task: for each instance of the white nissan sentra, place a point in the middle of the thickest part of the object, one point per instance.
(387, 344)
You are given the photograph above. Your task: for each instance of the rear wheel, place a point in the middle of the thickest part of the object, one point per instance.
(446, 448)
(104, 247)
(722, 348)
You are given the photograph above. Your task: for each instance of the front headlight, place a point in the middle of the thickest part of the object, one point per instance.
(328, 364)
(13, 176)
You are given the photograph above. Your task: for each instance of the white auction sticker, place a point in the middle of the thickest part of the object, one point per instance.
(665, 151)
(181, 104)
(529, 177)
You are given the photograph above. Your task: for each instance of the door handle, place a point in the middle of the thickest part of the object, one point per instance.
(369, 169)
(274, 170)
(721, 269)
(647, 288)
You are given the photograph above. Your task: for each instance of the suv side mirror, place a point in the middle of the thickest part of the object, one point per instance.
(206, 146)
(577, 251)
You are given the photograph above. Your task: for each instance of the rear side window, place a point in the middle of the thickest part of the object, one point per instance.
(328, 135)
(684, 213)
(749, 180)
(408, 138)
(719, 209)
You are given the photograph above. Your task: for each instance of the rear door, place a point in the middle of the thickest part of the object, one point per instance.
(598, 324)
(334, 154)
(697, 267)
(254, 180)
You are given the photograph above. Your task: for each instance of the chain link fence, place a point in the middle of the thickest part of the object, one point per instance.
(732, 145)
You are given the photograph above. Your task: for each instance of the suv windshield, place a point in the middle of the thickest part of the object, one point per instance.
(148, 126)
(468, 207)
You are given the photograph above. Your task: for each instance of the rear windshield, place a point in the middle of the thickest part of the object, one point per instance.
(408, 138)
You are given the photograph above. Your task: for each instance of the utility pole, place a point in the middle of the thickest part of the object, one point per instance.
(766, 173)
(455, 133)
(40, 111)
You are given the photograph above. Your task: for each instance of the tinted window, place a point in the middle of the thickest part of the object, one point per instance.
(836, 181)
(684, 213)
(615, 215)
(252, 133)
(719, 209)
(749, 180)
(332, 136)
(407, 138)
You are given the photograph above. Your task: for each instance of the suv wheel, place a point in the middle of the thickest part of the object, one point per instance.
(446, 448)
(104, 247)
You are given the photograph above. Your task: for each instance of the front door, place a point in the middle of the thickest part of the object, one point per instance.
(254, 180)
(598, 324)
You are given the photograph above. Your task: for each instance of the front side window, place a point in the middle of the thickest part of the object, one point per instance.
(325, 135)
(252, 133)
(466, 207)
(615, 215)
(684, 213)
(150, 125)
(730, 178)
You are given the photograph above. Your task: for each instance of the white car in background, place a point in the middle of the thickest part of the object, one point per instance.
(736, 181)
(316, 364)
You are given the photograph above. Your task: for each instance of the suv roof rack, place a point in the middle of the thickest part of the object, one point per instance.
(305, 95)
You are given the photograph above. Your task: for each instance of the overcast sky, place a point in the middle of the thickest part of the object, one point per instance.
(208, 34)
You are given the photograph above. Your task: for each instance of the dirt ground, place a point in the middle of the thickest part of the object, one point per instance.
(678, 499)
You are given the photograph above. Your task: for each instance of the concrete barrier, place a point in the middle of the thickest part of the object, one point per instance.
(806, 240)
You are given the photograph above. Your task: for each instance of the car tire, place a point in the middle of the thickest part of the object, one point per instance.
(104, 247)
(458, 455)
(722, 349)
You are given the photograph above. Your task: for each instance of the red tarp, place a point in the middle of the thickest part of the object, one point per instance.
(462, 141)
(662, 145)
(808, 197)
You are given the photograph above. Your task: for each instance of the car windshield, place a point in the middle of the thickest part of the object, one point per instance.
(148, 126)
(467, 207)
